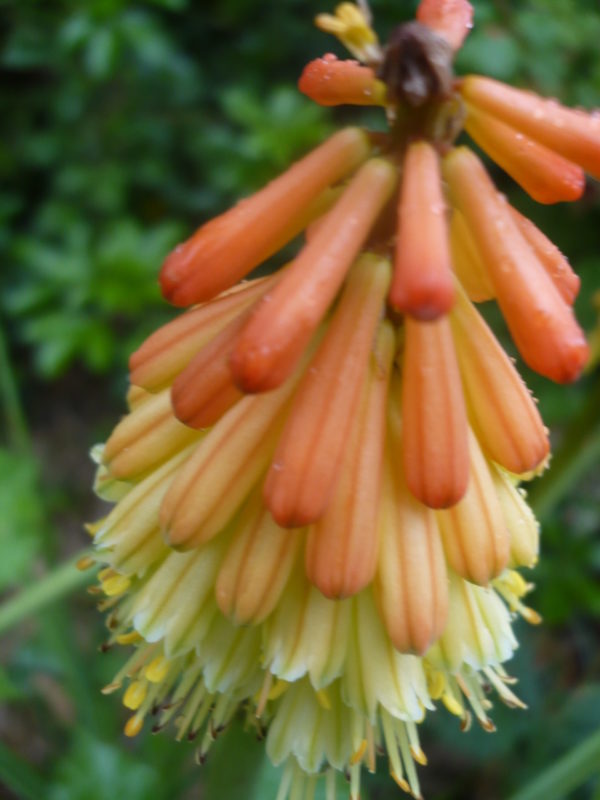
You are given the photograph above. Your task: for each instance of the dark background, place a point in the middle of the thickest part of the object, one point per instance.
(124, 125)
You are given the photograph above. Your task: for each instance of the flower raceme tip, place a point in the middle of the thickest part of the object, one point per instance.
(317, 517)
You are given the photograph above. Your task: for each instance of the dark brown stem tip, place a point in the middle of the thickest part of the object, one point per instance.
(417, 65)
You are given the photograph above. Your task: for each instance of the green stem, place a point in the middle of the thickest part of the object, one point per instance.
(18, 434)
(567, 774)
(59, 582)
(580, 449)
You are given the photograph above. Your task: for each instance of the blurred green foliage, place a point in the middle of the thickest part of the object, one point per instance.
(126, 124)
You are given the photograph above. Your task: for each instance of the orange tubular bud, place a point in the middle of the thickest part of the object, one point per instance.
(342, 547)
(286, 318)
(545, 176)
(435, 441)
(204, 391)
(474, 532)
(556, 265)
(502, 411)
(228, 461)
(467, 263)
(541, 323)
(411, 585)
(451, 19)
(145, 438)
(169, 349)
(573, 134)
(307, 461)
(225, 249)
(331, 82)
(256, 567)
(423, 285)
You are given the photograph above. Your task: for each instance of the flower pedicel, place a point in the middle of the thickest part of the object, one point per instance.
(317, 521)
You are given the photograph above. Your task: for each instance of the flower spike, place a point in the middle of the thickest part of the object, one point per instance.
(317, 517)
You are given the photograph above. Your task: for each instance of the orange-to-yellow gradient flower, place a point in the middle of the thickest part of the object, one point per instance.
(317, 521)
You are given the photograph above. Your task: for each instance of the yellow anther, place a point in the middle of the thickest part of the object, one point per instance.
(351, 26)
(135, 695)
(106, 573)
(85, 563)
(115, 585)
(403, 784)
(418, 755)
(452, 704)
(487, 724)
(530, 616)
(515, 583)
(357, 756)
(133, 726)
(128, 638)
(323, 699)
(157, 669)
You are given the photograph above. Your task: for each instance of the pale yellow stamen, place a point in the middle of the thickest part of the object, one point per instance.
(416, 750)
(370, 759)
(452, 704)
(508, 697)
(111, 687)
(263, 696)
(355, 771)
(357, 756)
(401, 783)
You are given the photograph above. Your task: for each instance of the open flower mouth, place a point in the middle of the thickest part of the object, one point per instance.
(317, 516)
